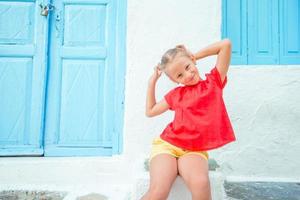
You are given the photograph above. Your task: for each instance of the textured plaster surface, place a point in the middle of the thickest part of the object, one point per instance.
(263, 103)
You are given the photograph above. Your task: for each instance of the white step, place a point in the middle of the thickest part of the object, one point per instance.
(179, 190)
(75, 176)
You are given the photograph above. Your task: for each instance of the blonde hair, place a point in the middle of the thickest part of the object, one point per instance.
(171, 54)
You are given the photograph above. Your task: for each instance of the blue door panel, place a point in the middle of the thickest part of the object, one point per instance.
(22, 78)
(263, 32)
(83, 109)
(234, 27)
(290, 32)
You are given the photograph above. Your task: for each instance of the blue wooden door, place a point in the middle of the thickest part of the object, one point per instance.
(86, 78)
(62, 90)
(22, 77)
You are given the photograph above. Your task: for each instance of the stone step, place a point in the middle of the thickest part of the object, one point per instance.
(179, 190)
(262, 190)
(55, 195)
(75, 177)
(31, 195)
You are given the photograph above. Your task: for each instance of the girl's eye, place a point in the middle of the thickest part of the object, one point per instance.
(187, 67)
(179, 76)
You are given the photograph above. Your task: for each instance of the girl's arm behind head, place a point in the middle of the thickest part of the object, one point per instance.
(154, 108)
(223, 51)
(223, 59)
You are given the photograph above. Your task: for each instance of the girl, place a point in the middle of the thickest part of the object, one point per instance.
(201, 122)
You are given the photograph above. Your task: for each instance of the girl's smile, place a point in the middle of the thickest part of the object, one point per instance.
(183, 70)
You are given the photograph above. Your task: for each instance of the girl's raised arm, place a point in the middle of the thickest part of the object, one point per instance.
(154, 108)
(223, 59)
(223, 50)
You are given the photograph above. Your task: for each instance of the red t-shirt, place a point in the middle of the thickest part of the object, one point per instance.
(201, 121)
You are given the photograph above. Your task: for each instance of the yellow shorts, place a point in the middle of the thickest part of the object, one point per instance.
(160, 146)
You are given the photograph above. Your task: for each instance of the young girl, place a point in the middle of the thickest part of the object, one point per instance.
(201, 122)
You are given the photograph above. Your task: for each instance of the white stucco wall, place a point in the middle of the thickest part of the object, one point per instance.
(262, 101)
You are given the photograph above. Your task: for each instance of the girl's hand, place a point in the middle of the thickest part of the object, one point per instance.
(156, 74)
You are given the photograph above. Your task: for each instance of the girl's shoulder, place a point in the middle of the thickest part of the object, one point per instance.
(176, 90)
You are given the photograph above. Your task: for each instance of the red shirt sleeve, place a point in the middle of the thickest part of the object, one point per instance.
(172, 98)
(216, 77)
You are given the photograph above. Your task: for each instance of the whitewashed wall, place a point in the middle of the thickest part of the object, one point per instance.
(263, 101)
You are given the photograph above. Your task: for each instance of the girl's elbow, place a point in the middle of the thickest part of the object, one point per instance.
(227, 42)
(149, 114)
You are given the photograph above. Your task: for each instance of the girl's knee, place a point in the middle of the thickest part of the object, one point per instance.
(200, 182)
(200, 187)
(158, 193)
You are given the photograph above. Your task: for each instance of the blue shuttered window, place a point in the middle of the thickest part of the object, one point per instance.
(262, 31)
(234, 11)
(289, 32)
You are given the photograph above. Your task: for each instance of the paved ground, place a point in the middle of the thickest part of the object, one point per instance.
(262, 191)
(31, 195)
(234, 191)
(44, 195)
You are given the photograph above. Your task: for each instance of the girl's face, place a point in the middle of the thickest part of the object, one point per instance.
(183, 70)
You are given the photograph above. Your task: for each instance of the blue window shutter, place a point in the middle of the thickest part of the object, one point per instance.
(263, 32)
(234, 27)
(289, 32)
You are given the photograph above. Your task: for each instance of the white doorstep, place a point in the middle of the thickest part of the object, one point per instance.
(77, 176)
(179, 190)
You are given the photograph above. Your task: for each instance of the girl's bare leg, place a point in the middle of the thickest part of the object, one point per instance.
(194, 170)
(163, 171)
